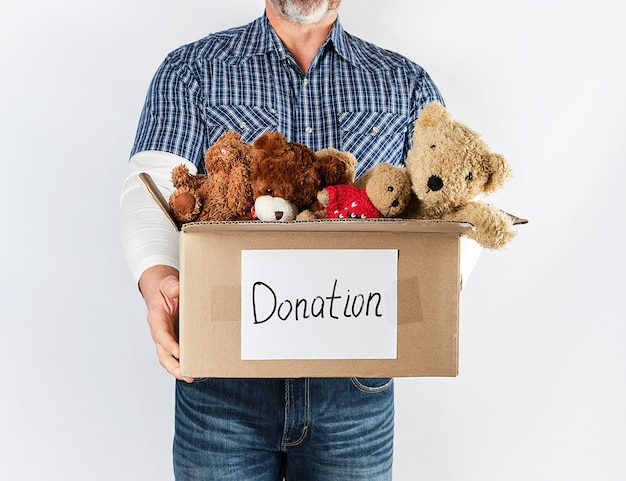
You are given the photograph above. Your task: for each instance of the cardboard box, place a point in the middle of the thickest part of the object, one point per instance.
(427, 294)
(427, 288)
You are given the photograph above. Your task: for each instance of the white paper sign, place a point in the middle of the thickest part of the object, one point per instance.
(319, 304)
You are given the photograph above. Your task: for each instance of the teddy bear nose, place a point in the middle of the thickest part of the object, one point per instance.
(395, 203)
(435, 183)
(278, 215)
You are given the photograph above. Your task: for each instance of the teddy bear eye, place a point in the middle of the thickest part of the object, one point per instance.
(269, 191)
(434, 146)
(469, 176)
(390, 188)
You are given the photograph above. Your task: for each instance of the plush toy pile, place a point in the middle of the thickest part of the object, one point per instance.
(447, 168)
(286, 176)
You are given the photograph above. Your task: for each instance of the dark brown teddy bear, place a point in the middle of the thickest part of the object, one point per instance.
(225, 194)
(286, 176)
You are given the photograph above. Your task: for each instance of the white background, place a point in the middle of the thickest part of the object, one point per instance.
(541, 391)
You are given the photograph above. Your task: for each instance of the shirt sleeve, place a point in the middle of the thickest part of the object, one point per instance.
(425, 92)
(171, 119)
(148, 237)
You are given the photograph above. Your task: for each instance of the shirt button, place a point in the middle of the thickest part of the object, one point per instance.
(242, 125)
(306, 81)
(308, 130)
(376, 129)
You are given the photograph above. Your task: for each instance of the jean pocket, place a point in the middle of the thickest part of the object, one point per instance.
(372, 385)
(198, 380)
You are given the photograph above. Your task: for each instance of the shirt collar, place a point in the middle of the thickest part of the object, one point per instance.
(260, 38)
(341, 42)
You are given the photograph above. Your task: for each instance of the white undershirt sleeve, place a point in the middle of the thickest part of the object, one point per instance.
(147, 235)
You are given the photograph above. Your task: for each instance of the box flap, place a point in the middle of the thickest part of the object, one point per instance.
(516, 220)
(145, 180)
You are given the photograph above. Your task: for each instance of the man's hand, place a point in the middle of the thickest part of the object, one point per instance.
(160, 288)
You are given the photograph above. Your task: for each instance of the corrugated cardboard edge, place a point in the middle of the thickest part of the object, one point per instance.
(333, 225)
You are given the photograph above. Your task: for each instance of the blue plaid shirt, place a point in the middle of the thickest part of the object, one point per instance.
(355, 97)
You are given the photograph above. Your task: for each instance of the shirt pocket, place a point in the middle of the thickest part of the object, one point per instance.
(249, 121)
(373, 137)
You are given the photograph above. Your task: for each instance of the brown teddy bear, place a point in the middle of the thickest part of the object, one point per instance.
(450, 165)
(383, 191)
(286, 176)
(225, 194)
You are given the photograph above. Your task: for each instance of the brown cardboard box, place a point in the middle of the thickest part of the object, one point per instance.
(427, 294)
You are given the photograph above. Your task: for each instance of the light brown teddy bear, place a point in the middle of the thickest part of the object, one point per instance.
(450, 165)
(383, 191)
(286, 176)
(225, 194)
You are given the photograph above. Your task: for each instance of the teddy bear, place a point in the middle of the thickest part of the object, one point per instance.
(286, 176)
(383, 191)
(450, 165)
(225, 194)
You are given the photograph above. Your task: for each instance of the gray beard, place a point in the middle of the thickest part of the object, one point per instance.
(302, 12)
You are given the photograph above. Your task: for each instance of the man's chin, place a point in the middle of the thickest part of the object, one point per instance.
(304, 13)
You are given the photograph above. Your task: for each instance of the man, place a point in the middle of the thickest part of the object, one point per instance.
(294, 70)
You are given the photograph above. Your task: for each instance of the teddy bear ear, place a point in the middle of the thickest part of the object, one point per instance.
(346, 157)
(269, 141)
(336, 167)
(262, 141)
(433, 114)
(500, 172)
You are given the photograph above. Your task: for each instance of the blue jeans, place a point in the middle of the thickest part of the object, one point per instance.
(296, 429)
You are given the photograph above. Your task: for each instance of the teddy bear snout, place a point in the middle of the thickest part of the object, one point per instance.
(435, 183)
(272, 209)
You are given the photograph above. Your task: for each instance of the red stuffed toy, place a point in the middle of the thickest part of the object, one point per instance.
(349, 202)
(383, 191)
